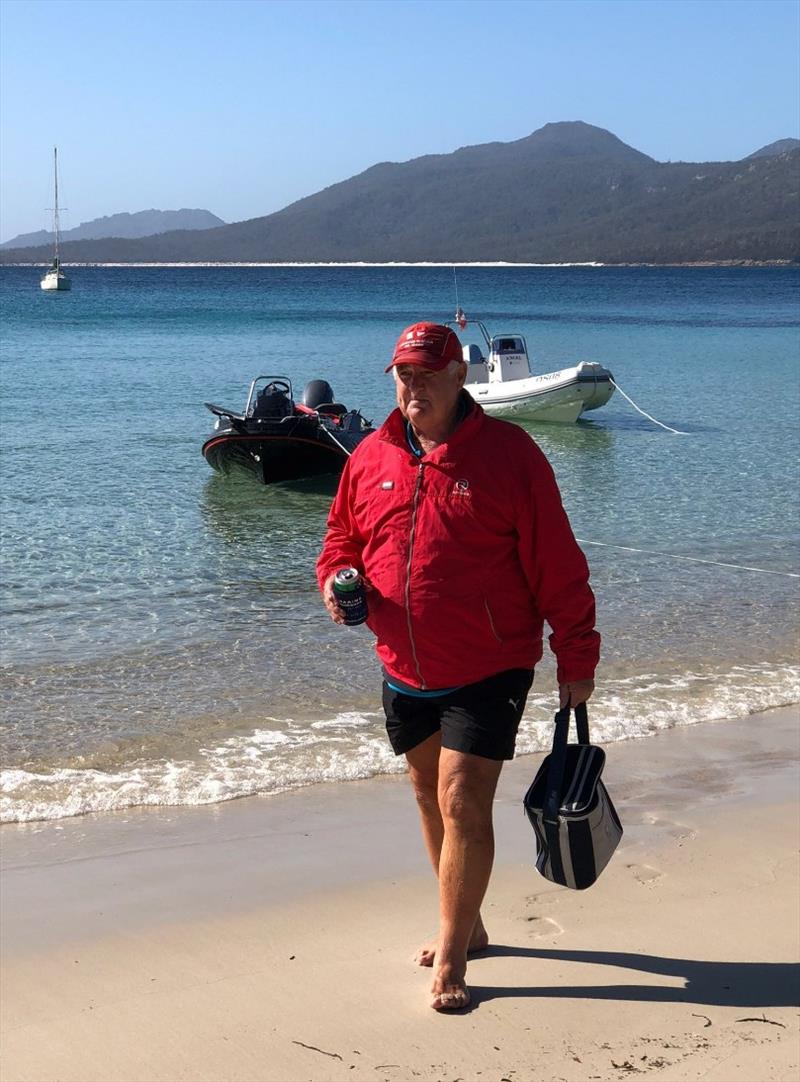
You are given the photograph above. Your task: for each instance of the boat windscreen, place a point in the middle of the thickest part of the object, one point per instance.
(509, 345)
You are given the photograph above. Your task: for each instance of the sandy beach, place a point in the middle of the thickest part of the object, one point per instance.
(272, 938)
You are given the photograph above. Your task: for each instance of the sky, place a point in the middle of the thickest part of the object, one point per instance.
(241, 107)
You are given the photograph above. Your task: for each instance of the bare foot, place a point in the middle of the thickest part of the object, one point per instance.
(479, 942)
(449, 992)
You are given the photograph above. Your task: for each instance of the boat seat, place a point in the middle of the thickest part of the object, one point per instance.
(477, 373)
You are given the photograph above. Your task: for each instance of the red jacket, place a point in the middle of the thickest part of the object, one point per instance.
(469, 549)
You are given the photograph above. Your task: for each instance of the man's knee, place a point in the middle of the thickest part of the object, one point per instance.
(426, 786)
(466, 801)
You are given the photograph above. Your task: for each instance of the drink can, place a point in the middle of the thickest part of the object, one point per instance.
(351, 596)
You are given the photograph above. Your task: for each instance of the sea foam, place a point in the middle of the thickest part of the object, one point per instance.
(352, 745)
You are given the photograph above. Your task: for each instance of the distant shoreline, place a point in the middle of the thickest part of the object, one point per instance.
(448, 263)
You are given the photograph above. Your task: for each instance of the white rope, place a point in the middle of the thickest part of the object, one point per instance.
(675, 431)
(328, 432)
(690, 559)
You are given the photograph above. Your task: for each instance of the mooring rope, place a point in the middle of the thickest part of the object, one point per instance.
(672, 555)
(675, 431)
(690, 559)
(341, 446)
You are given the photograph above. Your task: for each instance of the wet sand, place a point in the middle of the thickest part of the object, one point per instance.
(271, 938)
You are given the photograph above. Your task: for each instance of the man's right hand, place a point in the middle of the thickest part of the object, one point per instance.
(329, 597)
(331, 604)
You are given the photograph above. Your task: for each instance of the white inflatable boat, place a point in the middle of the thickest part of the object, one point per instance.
(501, 380)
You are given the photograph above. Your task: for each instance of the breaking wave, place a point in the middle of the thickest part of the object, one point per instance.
(284, 754)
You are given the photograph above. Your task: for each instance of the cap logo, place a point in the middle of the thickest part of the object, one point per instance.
(429, 344)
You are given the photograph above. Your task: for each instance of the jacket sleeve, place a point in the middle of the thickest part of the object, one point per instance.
(344, 541)
(557, 573)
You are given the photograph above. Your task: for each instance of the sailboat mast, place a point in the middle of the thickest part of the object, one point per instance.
(55, 210)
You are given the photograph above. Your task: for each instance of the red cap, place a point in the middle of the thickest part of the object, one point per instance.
(430, 344)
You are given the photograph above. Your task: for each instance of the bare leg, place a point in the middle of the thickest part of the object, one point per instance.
(467, 785)
(423, 762)
(423, 769)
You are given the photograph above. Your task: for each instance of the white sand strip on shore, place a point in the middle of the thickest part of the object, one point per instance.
(271, 939)
(323, 266)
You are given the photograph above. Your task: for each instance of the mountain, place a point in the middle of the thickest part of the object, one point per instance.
(144, 223)
(782, 146)
(570, 192)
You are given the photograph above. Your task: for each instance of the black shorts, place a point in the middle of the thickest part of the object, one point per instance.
(480, 719)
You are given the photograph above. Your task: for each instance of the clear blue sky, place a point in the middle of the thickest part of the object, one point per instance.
(243, 106)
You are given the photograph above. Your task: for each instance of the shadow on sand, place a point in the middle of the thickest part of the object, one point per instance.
(718, 984)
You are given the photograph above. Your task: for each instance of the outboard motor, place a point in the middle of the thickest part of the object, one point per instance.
(316, 393)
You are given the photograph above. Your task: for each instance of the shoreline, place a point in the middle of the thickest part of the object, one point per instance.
(224, 771)
(269, 938)
(783, 263)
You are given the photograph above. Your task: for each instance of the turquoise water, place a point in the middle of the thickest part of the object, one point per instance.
(162, 637)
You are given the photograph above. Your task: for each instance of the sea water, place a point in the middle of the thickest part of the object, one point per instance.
(163, 640)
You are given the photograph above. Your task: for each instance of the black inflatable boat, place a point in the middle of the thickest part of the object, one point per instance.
(278, 439)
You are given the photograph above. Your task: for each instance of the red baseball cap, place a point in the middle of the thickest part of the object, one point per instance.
(431, 345)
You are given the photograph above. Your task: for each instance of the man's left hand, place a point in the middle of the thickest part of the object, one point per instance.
(577, 691)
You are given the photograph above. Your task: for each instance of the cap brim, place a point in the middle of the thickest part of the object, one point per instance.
(424, 360)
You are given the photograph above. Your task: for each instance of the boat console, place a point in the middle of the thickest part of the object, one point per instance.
(272, 403)
(508, 358)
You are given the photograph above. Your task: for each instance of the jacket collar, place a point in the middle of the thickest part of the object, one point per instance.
(393, 430)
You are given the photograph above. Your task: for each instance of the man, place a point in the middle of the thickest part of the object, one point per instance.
(455, 520)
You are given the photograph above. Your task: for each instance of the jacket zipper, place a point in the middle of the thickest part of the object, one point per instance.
(408, 572)
(491, 620)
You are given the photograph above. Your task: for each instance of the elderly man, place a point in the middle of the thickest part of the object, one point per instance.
(455, 520)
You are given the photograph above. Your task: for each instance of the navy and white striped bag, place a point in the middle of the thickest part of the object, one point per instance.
(576, 825)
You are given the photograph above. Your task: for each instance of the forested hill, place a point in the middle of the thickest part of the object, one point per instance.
(782, 146)
(143, 223)
(569, 192)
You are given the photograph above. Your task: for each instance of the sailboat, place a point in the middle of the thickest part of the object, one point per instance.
(55, 278)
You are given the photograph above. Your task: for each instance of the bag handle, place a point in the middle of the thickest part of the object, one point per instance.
(582, 723)
(558, 757)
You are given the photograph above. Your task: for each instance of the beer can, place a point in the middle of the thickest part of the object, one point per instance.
(351, 596)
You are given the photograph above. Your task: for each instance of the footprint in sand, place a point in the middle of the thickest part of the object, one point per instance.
(541, 901)
(543, 927)
(679, 831)
(645, 874)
